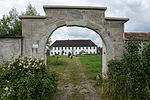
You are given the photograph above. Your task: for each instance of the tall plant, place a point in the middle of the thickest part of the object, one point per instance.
(129, 78)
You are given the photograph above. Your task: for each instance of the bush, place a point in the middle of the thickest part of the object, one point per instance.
(129, 78)
(26, 79)
(69, 54)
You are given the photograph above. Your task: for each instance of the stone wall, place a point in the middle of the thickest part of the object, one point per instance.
(10, 47)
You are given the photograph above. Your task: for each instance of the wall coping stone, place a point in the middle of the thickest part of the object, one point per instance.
(13, 37)
(116, 19)
(73, 7)
(32, 17)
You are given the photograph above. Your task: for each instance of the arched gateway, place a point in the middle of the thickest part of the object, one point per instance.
(37, 29)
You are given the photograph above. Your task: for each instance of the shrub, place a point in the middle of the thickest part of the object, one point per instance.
(69, 54)
(129, 78)
(26, 79)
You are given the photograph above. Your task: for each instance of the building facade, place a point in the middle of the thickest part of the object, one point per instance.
(63, 47)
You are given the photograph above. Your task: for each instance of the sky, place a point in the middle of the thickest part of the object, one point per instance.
(138, 11)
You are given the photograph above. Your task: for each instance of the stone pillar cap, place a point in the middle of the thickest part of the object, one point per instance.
(73, 7)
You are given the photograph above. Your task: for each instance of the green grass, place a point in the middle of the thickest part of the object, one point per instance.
(92, 64)
(57, 63)
(76, 95)
(74, 77)
(57, 60)
(74, 73)
(68, 70)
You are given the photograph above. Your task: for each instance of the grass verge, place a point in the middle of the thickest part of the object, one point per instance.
(92, 65)
(57, 63)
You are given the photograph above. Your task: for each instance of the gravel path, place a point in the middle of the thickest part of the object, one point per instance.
(74, 85)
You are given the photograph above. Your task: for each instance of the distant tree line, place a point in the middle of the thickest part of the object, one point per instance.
(10, 25)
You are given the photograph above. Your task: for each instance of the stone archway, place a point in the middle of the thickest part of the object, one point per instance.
(37, 29)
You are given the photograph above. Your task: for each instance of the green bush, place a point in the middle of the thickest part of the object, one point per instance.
(26, 79)
(69, 54)
(129, 78)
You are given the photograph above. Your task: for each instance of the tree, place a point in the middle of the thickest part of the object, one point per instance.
(4, 27)
(48, 46)
(30, 11)
(69, 54)
(10, 25)
(62, 52)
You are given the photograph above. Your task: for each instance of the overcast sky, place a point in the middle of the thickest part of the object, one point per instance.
(137, 10)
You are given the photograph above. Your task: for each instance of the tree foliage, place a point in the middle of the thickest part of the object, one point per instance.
(10, 25)
(48, 47)
(30, 11)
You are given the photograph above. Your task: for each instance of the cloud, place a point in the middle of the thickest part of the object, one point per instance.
(65, 33)
(137, 10)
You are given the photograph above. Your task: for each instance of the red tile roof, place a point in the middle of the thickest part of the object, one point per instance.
(137, 36)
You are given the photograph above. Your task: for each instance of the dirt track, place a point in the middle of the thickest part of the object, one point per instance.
(74, 85)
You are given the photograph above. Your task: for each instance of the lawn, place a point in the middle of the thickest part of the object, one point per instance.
(92, 65)
(57, 63)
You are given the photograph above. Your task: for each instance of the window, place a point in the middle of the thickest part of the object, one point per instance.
(90, 47)
(51, 52)
(68, 47)
(76, 47)
(86, 47)
(58, 48)
(65, 48)
(72, 47)
(93, 47)
(58, 53)
(79, 48)
(62, 48)
(76, 52)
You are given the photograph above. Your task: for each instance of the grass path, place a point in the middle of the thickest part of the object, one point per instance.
(74, 85)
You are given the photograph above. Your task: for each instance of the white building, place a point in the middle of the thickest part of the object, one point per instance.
(63, 47)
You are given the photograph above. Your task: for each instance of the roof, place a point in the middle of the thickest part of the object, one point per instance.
(73, 43)
(137, 36)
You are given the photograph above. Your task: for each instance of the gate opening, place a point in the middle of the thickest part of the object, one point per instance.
(75, 41)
